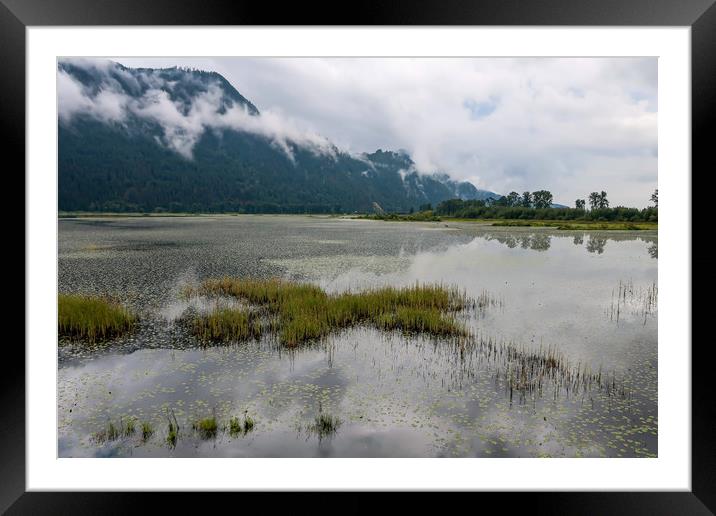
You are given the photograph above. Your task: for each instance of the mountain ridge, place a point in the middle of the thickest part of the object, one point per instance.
(177, 139)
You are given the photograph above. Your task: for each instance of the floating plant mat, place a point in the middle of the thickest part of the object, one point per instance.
(523, 385)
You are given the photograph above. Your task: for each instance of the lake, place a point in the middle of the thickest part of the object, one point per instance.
(588, 296)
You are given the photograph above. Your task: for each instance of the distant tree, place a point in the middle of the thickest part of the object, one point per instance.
(594, 200)
(542, 199)
(527, 200)
(603, 202)
(655, 198)
(579, 204)
(426, 207)
(513, 199)
(501, 201)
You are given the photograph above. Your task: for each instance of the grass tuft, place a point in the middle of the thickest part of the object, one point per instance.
(92, 318)
(147, 431)
(129, 427)
(326, 424)
(206, 427)
(248, 424)
(172, 434)
(234, 426)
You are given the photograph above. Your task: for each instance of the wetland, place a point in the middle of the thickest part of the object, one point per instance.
(309, 336)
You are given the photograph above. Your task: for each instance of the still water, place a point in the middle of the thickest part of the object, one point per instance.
(590, 296)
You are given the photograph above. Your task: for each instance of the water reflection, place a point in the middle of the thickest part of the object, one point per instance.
(596, 244)
(534, 241)
(542, 240)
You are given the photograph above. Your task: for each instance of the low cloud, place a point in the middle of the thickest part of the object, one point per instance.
(182, 123)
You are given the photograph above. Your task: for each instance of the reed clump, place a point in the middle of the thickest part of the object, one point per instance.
(207, 427)
(147, 431)
(129, 427)
(235, 426)
(324, 425)
(110, 433)
(302, 312)
(92, 318)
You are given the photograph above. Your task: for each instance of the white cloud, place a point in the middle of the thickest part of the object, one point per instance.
(569, 125)
(182, 128)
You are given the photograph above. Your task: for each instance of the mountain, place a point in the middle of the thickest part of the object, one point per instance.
(177, 139)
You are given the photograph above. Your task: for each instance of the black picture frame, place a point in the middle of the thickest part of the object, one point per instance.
(700, 15)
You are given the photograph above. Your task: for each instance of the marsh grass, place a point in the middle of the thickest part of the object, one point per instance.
(530, 374)
(147, 431)
(92, 318)
(301, 312)
(248, 424)
(113, 432)
(128, 427)
(172, 434)
(227, 324)
(207, 427)
(110, 433)
(324, 425)
(172, 430)
(235, 426)
(487, 300)
(639, 301)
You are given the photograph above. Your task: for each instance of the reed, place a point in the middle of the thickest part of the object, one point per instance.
(207, 427)
(92, 318)
(147, 431)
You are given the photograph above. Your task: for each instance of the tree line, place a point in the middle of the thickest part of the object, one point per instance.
(538, 205)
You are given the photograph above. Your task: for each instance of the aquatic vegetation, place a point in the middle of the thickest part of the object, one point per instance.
(111, 433)
(147, 431)
(129, 427)
(638, 301)
(236, 427)
(302, 312)
(172, 434)
(487, 300)
(207, 427)
(172, 430)
(92, 318)
(227, 324)
(248, 424)
(528, 372)
(324, 425)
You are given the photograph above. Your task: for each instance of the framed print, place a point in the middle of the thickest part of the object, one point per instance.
(419, 253)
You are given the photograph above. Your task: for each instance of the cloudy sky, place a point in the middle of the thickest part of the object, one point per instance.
(566, 125)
